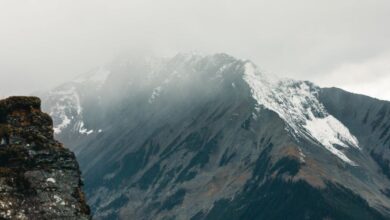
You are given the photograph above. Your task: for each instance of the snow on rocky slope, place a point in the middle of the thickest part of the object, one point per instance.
(64, 103)
(297, 103)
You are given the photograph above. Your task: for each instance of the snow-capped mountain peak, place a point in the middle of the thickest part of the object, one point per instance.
(296, 102)
(210, 132)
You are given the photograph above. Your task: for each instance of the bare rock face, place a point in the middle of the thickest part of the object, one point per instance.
(39, 178)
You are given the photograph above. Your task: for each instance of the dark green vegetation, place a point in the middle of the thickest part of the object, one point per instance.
(278, 199)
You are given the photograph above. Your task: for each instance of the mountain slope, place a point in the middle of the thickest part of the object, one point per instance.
(210, 137)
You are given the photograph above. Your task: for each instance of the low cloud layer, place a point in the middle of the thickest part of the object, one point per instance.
(333, 43)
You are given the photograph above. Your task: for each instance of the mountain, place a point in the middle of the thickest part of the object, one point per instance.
(39, 178)
(211, 137)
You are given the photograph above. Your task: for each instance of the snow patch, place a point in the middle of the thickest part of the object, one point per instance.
(82, 129)
(297, 104)
(57, 198)
(51, 180)
(65, 122)
(329, 132)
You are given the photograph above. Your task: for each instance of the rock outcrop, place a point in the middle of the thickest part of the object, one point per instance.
(39, 178)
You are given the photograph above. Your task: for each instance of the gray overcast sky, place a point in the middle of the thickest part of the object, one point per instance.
(344, 43)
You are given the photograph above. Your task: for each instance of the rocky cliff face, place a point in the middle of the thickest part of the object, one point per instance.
(39, 178)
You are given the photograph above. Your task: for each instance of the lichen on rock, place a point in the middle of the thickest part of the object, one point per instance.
(39, 178)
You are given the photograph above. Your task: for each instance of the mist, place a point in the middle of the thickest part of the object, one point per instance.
(332, 43)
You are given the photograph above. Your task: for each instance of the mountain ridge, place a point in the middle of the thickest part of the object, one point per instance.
(199, 119)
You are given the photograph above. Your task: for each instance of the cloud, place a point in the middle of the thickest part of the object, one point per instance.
(49, 41)
(370, 77)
